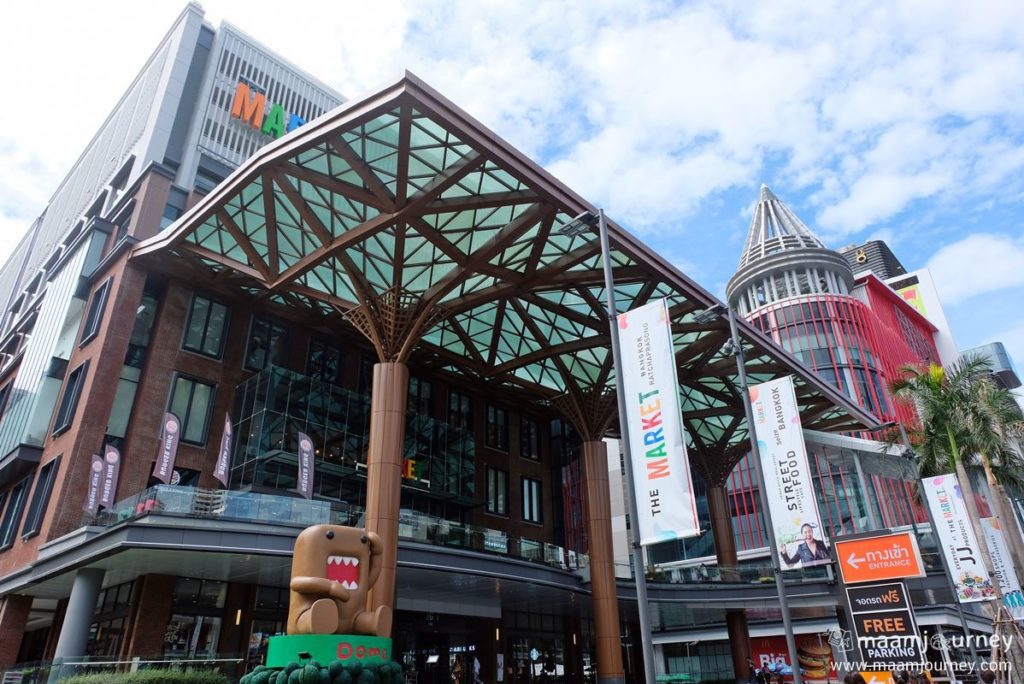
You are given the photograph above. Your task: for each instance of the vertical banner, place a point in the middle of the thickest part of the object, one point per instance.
(220, 471)
(787, 474)
(661, 469)
(111, 470)
(169, 436)
(305, 480)
(956, 538)
(92, 497)
(1002, 565)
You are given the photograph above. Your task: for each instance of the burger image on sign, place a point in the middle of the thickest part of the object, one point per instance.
(97, 466)
(111, 457)
(171, 426)
(815, 659)
(306, 444)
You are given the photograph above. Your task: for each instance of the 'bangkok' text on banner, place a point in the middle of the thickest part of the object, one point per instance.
(787, 475)
(661, 468)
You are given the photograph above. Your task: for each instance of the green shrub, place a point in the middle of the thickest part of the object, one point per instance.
(335, 672)
(153, 676)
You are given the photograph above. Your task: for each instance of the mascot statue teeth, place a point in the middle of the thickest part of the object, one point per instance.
(333, 570)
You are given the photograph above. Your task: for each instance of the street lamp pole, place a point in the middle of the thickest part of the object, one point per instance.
(637, 550)
(755, 454)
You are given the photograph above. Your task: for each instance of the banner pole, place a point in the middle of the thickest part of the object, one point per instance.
(639, 566)
(755, 452)
(912, 456)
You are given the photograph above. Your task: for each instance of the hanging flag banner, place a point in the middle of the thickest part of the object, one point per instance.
(1013, 599)
(780, 438)
(220, 471)
(956, 537)
(661, 468)
(169, 436)
(92, 497)
(111, 470)
(305, 481)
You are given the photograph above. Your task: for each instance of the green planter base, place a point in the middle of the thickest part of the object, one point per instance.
(326, 648)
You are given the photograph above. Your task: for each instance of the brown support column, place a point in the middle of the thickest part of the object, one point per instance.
(14, 610)
(151, 614)
(602, 563)
(725, 553)
(384, 471)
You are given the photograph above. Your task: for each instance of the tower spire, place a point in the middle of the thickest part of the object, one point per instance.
(773, 228)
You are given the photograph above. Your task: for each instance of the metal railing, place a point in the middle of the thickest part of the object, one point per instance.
(270, 509)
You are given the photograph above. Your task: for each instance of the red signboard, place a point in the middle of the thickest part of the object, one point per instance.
(813, 650)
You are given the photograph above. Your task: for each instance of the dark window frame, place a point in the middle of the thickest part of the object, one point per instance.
(525, 500)
(317, 374)
(421, 402)
(496, 505)
(11, 519)
(94, 314)
(460, 410)
(206, 327)
(496, 431)
(40, 498)
(67, 407)
(525, 442)
(188, 409)
(271, 325)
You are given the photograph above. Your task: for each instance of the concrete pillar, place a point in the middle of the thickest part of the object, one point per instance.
(74, 633)
(384, 470)
(14, 610)
(602, 564)
(725, 553)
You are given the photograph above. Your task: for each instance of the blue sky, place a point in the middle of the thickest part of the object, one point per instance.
(901, 121)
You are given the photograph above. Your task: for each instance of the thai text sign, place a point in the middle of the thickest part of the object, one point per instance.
(661, 469)
(1009, 583)
(795, 520)
(884, 625)
(876, 559)
(957, 540)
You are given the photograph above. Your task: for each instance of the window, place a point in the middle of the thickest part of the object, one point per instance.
(95, 314)
(192, 402)
(497, 428)
(174, 208)
(533, 507)
(204, 330)
(40, 498)
(69, 402)
(324, 362)
(12, 516)
(529, 438)
(365, 379)
(5, 395)
(420, 394)
(267, 344)
(460, 410)
(497, 491)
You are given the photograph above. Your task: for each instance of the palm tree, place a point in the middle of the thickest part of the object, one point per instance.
(965, 420)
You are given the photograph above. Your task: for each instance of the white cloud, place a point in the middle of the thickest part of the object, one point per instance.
(976, 265)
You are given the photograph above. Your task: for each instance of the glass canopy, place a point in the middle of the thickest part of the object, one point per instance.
(440, 242)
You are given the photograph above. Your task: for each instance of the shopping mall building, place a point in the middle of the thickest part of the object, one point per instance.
(241, 247)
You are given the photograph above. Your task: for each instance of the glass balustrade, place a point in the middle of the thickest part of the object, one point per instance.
(270, 509)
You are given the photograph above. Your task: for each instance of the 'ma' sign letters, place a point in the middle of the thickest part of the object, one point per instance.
(250, 106)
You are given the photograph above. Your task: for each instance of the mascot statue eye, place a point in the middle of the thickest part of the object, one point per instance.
(363, 539)
(330, 534)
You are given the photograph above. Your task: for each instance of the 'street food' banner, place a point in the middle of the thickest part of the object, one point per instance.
(787, 474)
(1003, 566)
(661, 469)
(956, 537)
